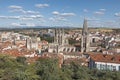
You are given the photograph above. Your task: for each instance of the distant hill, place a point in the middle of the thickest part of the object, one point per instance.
(105, 29)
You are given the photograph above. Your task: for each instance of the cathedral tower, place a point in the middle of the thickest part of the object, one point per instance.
(85, 42)
(59, 37)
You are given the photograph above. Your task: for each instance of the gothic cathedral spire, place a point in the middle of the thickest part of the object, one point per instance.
(85, 28)
(85, 41)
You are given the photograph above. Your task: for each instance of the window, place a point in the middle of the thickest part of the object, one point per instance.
(119, 68)
(98, 66)
(72, 50)
(111, 67)
(64, 49)
(95, 65)
(68, 50)
(103, 67)
(114, 68)
(108, 67)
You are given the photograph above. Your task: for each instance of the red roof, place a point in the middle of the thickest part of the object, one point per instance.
(16, 52)
(115, 58)
(32, 59)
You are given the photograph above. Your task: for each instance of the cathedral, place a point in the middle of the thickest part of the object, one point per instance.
(61, 42)
(85, 39)
(59, 37)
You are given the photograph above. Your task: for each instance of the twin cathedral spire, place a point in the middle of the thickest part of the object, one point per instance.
(60, 40)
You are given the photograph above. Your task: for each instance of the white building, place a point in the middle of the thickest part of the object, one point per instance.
(105, 62)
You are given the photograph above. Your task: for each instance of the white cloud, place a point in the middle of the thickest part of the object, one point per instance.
(63, 14)
(9, 17)
(31, 17)
(85, 10)
(13, 17)
(102, 9)
(23, 17)
(117, 14)
(60, 16)
(15, 24)
(36, 16)
(14, 7)
(17, 10)
(31, 12)
(3, 17)
(67, 14)
(58, 19)
(25, 11)
(41, 5)
(99, 13)
(22, 24)
(55, 13)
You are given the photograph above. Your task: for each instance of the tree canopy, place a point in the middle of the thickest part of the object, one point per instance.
(48, 69)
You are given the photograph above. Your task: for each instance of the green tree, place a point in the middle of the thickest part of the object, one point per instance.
(21, 59)
(25, 75)
(47, 38)
(73, 41)
(48, 69)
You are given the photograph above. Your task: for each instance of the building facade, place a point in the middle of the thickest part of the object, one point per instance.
(105, 62)
(60, 43)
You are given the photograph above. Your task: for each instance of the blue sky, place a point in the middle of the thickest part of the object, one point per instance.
(30, 13)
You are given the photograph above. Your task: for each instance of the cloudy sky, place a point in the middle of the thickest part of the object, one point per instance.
(30, 13)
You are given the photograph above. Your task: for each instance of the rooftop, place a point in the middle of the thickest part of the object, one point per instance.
(115, 58)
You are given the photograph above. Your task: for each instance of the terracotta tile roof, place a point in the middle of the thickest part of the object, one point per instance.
(90, 53)
(5, 44)
(20, 42)
(13, 52)
(115, 58)
(16, 52)
(32, 59)
(73, 53)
